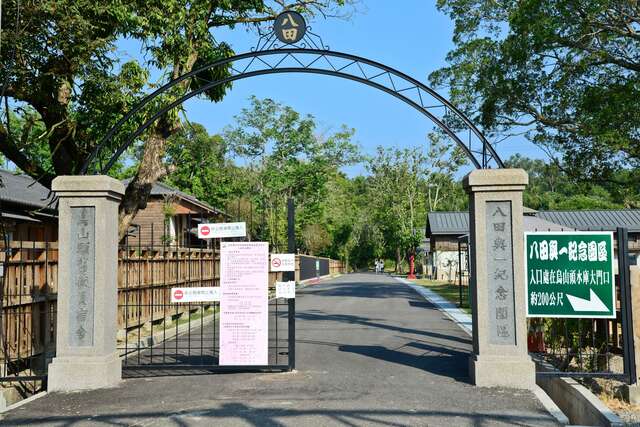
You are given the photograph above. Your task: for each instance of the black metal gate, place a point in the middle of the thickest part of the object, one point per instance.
(155, 333)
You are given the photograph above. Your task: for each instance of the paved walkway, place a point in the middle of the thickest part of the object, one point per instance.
(371, 351)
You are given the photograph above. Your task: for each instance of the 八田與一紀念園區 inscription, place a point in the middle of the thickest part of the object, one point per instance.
(82, 257)
(499, 252)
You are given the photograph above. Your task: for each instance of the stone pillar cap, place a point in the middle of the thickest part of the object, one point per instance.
(78, 185)
(495, 178)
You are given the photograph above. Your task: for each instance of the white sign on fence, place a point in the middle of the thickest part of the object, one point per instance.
(223, 229)
(208, 294)
(244, 306)
(286, 289)
(283, 262)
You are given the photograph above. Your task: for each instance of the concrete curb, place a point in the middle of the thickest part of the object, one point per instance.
(315, 280)
(22, 402)
(582, 406)
(463, 320)
(551, 406)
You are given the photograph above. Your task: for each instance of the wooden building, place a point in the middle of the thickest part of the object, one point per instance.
(171, 218)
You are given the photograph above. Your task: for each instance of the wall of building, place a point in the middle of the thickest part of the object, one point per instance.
(32, 232)
(157, 225)
(446, 265)
(444, 243)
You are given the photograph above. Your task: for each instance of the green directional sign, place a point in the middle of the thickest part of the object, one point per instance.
(570, 274)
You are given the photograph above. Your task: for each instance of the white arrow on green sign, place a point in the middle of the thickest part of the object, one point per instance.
(570, 274)
(592, 304)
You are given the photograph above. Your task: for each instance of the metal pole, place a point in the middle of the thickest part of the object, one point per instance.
(625, 305)
(291, 228)
(290, 275)
(460, 272)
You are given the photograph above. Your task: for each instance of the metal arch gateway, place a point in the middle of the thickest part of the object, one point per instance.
(317, 60)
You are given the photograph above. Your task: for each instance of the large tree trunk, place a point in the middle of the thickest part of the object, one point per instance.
(151, 169)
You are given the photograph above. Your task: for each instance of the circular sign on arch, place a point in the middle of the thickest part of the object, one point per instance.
(290, 27)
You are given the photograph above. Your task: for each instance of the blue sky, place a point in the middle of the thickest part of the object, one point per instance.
(411, 36)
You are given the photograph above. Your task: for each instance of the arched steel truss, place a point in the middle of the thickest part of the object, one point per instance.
(317, 60)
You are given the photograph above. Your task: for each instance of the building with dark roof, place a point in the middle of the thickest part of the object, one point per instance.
(595, 220)
(457, 223)
(29, 212)
(27, 209)
(170, 218)
(446, 230)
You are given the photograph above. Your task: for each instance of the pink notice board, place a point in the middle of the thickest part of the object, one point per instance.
(244, 309)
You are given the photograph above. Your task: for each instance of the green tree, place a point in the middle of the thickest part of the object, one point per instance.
(566, 73)
(354, 236)
(550, 188)
(284, 158)
(201, 166)
(444, 160)
(407, 183)
(397, 198)
(59, 68)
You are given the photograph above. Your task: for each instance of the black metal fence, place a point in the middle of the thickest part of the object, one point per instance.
(323, 265)
(313, 267)
(156, 333)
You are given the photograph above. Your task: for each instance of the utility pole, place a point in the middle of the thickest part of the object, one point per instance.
(291, 275)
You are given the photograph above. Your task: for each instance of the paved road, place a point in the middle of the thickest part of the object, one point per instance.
(370, 352)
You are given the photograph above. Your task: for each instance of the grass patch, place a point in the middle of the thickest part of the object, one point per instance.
(448, 291)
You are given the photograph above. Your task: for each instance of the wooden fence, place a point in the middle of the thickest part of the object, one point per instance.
(29, 271)
(145, 279)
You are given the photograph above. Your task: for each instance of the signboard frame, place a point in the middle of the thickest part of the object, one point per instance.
(244, 304)
(285, 260)
(608, 315)
(222, 232)
(288, 287)
(212, 291)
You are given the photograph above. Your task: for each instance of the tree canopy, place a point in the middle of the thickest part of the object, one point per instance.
(65, 84)
(565, 73)
(285, 158)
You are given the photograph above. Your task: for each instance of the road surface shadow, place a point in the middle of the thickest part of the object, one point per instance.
(319, 315)
(362, 289)
(277, 417)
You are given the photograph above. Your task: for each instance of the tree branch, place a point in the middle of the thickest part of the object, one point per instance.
(13, 153)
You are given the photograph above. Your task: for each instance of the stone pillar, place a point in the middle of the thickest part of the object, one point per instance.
(86, 356)
(500, 357)
(632, 390)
